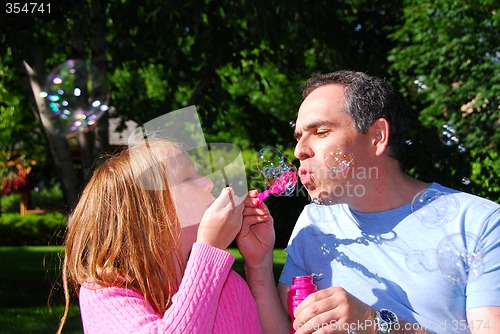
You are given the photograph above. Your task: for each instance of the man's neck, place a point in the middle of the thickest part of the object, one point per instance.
(391, 189)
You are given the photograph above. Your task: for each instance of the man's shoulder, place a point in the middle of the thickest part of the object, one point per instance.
(462, 194)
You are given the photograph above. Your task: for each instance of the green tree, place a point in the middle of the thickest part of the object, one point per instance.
(447, 65)
(240, 62)
(15, 124)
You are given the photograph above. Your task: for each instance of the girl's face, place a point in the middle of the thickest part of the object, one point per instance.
(192, 197)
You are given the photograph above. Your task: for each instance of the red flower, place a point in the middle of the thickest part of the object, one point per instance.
(15, 175)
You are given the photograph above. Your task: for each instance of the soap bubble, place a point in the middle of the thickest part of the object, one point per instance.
(279, 172)
(447, 135)
(337, 161)
(466, 181)
(317, 277)
(325, 249)
(461, 148)
(76, 96)
(460, 258)
(268, 159)
(420, 261)
(282, 179)
(434, 208)
(323, 200)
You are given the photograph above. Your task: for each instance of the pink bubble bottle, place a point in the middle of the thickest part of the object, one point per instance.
(302, 286)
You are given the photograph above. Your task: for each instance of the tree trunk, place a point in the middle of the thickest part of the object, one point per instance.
(58, 145)
(91, 143)
(24, 202)
(98, 46)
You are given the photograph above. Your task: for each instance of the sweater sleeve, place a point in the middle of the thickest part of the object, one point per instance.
(193, 308)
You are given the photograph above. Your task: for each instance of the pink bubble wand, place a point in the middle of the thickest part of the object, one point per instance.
(279, 186)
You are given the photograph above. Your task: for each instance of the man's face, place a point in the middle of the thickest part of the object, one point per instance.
(328, 145)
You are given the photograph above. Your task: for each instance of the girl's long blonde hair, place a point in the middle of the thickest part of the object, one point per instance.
(123, 234)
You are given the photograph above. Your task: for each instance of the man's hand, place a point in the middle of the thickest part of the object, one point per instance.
(256, 238)
(334, 310)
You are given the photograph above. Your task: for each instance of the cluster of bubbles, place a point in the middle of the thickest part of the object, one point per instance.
(458, 257)
(434, 208)
(325, 249)
(280, 174)
(323, 201)
(76, 96)
(449, 137)
(337, 161)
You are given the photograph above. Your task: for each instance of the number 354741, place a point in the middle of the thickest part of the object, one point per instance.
(27, 7)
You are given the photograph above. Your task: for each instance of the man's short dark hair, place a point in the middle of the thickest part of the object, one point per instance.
(367, 98)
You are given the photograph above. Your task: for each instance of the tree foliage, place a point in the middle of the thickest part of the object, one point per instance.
(241, 63)
(447, 65)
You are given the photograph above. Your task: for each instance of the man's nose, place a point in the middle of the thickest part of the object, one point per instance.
(303, 150)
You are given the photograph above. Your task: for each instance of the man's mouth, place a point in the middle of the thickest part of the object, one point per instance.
(306, 178)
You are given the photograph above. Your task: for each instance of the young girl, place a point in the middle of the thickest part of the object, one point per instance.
(145, 249)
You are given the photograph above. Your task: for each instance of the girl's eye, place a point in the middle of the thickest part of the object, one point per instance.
(191, 177)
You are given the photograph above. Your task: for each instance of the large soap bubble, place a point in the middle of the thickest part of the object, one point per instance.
(279, 172)
(434, 208)
(460, 258)
(268, 159)
(76, 95)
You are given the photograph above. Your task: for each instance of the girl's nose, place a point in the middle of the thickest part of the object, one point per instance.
(207, 184)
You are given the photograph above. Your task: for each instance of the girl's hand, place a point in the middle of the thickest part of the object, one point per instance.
(222, 220)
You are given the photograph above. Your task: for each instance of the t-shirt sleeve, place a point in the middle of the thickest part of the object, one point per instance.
(483, 288)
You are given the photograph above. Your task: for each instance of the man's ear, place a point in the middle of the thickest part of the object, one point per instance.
(380, 131)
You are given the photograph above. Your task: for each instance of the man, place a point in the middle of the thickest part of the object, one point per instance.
(381, 267)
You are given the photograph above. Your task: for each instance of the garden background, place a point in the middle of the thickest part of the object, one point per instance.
(241, 63)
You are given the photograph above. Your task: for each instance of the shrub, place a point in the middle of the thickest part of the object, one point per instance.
(45, 198)
(32, 230)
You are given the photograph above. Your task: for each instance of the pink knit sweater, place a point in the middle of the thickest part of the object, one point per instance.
(211, 299)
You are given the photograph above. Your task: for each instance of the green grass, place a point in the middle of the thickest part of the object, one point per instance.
(27, 278)
(279, 256)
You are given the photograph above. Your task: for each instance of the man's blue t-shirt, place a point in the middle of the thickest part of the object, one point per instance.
(428, 265)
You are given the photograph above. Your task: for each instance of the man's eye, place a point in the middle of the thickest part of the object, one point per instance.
(322, 132)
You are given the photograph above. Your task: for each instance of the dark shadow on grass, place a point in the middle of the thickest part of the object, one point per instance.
(27, 276)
